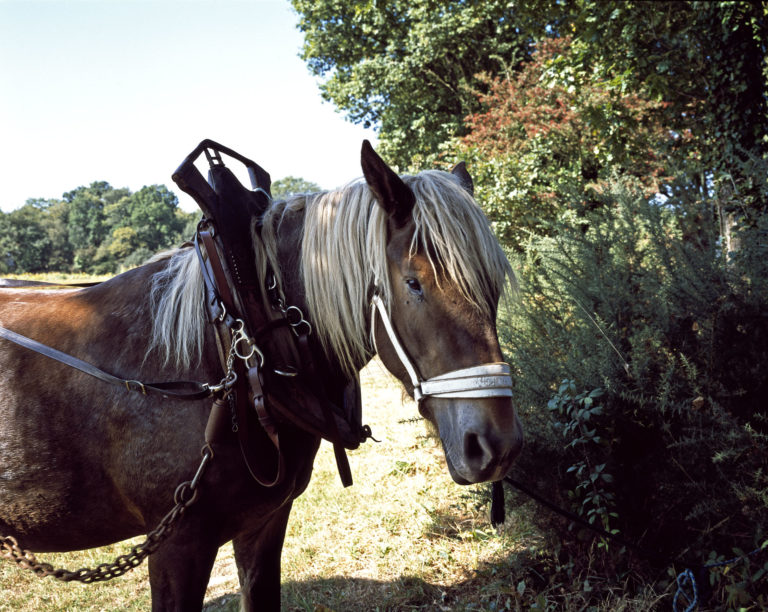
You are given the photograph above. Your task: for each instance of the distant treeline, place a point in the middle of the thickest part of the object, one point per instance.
(96, 229)
(102, 230)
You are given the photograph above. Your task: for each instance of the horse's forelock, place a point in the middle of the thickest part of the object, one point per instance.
(461, 243)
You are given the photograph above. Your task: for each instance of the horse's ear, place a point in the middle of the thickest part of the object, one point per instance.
(460, 170)
(392, 193)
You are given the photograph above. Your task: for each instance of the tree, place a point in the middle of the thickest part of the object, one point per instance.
(87, 224)
(25, 244)
(408, 66)
(291, 185)
(146, 221)
(708, 61)
(94, 229)
(549, 132)
(153, 214)
(705, 60)
(57, 225)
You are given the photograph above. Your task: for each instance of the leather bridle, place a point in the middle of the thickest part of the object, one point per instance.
(484, 380)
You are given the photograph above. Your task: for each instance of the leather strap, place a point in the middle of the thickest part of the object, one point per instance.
(219, 276)
(222, 304)
(485, 380)
(244, 436)
(181, 390)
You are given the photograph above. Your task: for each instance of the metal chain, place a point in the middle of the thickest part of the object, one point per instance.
(185, 495)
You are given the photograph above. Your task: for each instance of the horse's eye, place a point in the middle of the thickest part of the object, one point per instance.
(413, 285)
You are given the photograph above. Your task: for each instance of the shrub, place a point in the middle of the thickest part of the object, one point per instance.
(637, 298)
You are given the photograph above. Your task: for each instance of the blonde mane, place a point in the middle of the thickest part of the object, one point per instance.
(343, 257)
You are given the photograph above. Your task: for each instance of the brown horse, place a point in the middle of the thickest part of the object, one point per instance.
(404, 265)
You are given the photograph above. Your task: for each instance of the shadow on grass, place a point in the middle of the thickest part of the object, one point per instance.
(492, 587)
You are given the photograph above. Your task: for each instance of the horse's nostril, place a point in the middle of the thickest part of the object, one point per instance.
(477, 451)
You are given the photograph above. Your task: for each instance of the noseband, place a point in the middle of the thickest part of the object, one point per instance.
(485, 380)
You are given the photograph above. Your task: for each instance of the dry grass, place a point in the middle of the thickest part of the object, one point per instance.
(403, 537)
(60, 277)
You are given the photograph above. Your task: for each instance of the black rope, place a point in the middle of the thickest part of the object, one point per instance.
(585, 523)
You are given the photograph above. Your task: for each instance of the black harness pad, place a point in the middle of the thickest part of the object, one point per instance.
(237, 208)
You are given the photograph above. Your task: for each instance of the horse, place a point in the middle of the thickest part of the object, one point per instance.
(405, 267)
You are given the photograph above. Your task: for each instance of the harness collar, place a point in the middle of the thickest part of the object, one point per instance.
(484, 380)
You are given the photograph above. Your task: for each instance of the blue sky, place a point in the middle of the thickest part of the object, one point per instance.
(122, 90)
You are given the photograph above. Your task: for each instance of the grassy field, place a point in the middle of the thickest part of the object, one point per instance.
(404, 537)
(59, 277)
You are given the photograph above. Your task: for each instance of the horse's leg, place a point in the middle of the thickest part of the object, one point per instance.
(258, 563)
(179, 571)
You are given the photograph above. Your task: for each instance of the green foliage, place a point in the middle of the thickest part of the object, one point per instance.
(628, 299)
(408, 66)
(24, 240)
(576, 415)
(95, 230)
(552, 131)
(291, 185)
(740, 580)
(706, 60)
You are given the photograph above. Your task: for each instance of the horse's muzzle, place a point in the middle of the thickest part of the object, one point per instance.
(481, 438)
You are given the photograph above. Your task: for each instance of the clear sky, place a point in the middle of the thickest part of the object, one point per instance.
(121, 90)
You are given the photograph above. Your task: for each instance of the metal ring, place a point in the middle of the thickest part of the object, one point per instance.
(295, 327)
(255, 350)
(288, 372)
(236, 345)
(297, 317)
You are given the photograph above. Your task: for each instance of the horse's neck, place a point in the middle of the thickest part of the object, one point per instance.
(133, 290)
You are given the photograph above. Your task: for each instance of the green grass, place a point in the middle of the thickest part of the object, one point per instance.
(403, 537)
(59, 277)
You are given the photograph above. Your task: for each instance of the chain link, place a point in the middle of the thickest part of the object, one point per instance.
(185, 495)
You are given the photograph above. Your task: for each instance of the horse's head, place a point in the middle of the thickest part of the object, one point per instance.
(437, 333)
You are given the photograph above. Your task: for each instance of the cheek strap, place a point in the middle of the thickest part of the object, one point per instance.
(485, 380)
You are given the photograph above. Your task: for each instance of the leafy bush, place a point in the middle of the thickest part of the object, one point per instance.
(638, 298)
